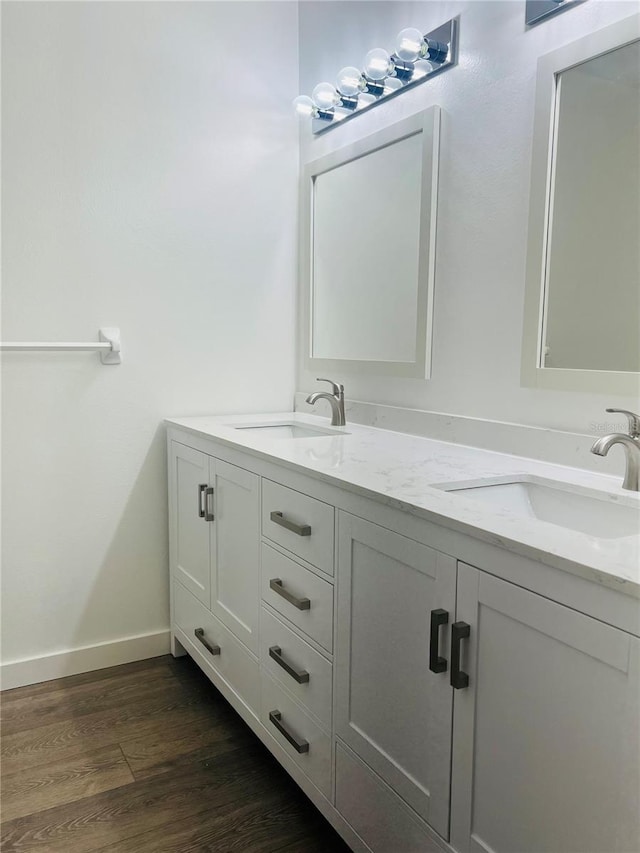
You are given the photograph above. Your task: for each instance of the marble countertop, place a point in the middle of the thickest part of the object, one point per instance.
(401, 470)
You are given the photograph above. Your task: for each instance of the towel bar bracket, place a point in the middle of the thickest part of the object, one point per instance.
(111, 336)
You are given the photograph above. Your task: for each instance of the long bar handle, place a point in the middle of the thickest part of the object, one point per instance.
(300, 746)
(301, 603)
(300, 529)
(208, 513)
(436, 663)
(201, 490)
(299, 675)
(212, 648)
(459, 631)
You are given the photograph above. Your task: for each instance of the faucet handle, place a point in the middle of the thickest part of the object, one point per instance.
(337, 389)
(634, 421)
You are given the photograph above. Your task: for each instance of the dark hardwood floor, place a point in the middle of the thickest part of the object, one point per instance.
(144, 758)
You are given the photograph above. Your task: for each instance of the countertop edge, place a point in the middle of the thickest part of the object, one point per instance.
(554, 561)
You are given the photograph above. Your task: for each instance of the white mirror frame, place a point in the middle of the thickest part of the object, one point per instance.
(426, 123)
(549, 67)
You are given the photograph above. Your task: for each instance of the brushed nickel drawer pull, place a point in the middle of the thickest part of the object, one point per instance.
(208, 513)
(459, 631)
(438, 617)
(201, 490)
(299, 745)
(300, 529)
(213, 649)
(299, 675)
(301, 603)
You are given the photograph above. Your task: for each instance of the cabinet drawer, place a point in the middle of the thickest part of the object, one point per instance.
(233, 662)
(301, 669)
(377, 814)
(299, 595)
(289, 724)
(299, 523)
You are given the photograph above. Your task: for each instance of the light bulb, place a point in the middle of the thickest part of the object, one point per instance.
(350, 81)
(304, 107)
(377, 64)
(325, 96)
(410, 45)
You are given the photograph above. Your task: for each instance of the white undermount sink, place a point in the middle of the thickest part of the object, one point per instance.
(290, 429)
(601, 514)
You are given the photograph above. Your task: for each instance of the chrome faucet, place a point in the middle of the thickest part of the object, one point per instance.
(336, 401)
(631, 445)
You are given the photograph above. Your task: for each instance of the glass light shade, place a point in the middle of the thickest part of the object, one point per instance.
(325, 96)
(350, 81)
(304, 107)
(377, 64)
(409, 44)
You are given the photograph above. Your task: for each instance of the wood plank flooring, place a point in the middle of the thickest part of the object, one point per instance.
(144, 758)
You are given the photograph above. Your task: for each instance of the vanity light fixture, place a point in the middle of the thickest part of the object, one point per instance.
(539, 10)
(417, 58)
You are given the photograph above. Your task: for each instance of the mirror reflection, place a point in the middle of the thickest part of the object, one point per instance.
(591, 317)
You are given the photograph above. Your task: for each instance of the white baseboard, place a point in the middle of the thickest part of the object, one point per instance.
(86, 659)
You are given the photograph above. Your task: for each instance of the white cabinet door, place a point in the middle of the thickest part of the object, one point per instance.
(189, 530)
(235, 550)
(546, 735)
(391, 709)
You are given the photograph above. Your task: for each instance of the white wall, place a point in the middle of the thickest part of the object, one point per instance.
(149, 182)
(485, 162)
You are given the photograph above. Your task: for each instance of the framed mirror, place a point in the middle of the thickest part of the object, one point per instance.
(368, 214)
(582, 305)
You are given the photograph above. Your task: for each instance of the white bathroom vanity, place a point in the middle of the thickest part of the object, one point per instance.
(437, 667)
